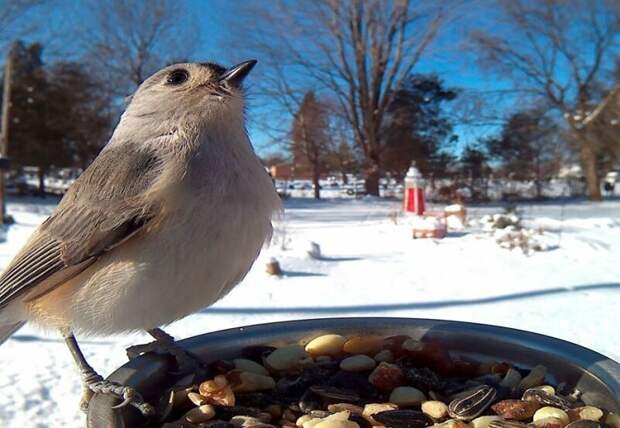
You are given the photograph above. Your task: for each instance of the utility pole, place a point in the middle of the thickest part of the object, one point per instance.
(4, 131)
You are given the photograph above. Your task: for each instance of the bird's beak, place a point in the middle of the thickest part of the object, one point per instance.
(235, 75)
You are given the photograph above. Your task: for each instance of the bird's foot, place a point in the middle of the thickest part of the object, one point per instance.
(95, 384)
(130, 397)
(187, 362)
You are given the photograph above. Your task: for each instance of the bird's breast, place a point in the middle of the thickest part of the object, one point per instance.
(204, 244)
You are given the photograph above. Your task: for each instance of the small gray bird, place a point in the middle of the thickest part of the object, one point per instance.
(167, 220)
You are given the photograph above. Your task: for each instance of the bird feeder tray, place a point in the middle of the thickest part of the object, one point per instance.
(595, 375)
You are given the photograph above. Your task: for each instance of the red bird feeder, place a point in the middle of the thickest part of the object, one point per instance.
(414, 191)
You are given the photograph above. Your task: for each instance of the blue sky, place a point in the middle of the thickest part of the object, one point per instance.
(449, 57)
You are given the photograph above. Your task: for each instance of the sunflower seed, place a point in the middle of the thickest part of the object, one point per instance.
(501, 423)
(373, 408)
(337, 394)
(536, 394)
(472, 404)
(402, 419)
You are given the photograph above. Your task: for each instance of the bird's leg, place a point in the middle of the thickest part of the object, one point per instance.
(94, 383)
(164, 343)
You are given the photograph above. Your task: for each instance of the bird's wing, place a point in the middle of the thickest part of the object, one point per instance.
(103, 208)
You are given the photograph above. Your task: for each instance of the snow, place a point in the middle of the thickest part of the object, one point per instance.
(369, 265)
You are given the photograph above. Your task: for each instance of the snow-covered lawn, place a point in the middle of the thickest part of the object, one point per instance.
(370, 266)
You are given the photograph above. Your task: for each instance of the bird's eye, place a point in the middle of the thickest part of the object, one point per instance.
(177, 77)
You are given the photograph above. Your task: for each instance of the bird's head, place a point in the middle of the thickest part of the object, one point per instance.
(190, 92)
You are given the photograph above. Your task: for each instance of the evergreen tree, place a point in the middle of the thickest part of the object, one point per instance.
(418, 129)
(60, 117)
(475, 170)
(527, 148)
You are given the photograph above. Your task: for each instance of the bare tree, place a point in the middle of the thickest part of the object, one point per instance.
(130, 40)
(342, 156)
(560, 52)
(605, 121)
(360, 51)
(377, 46)
(309, 140)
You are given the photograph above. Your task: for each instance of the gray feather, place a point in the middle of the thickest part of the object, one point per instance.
(104, 207)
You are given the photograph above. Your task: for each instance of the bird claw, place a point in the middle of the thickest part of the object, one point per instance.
(129, 396)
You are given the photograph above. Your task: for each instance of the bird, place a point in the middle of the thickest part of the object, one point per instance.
(167, 219)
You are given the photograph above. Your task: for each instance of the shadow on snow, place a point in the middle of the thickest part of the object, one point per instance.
(413, 305)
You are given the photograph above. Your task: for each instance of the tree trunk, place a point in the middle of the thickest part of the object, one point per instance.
(316, 175)
(372, 181)
(538, 183)
(345, 179)
(41, 175)
(538, 179)
(588, 163)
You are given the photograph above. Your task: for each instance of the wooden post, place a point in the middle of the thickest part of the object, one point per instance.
(4, 131)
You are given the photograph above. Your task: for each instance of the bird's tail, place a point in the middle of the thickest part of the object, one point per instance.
(7, 330)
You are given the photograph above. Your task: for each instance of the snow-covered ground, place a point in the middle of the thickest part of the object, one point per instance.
(370, 266)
